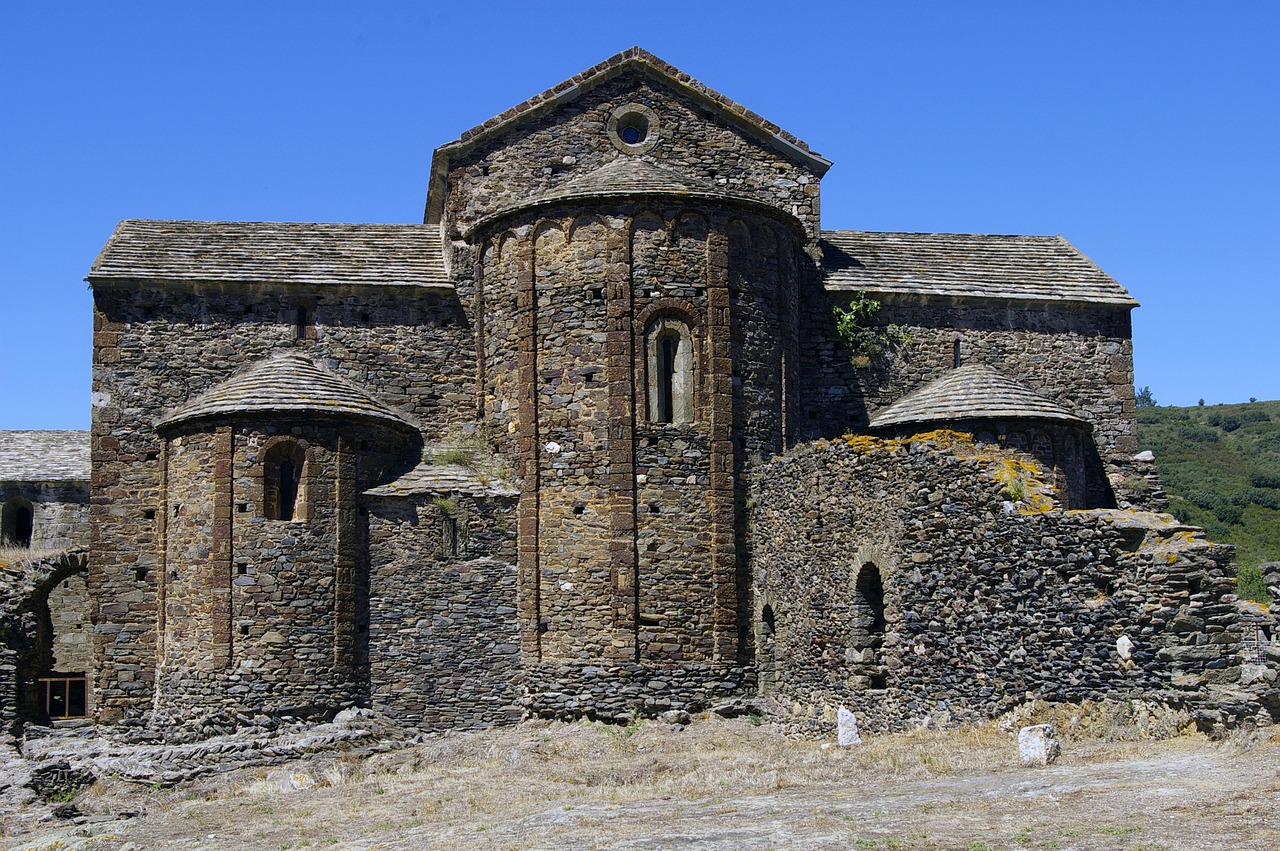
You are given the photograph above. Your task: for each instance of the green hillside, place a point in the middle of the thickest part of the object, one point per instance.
(1221, 467)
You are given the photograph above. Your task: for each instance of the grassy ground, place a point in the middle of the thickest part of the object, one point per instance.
(721, 784)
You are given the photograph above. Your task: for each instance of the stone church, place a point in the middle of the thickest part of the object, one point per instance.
(621, 428)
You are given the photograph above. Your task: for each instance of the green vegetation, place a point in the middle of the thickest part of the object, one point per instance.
(855, 325)
(1221, 467)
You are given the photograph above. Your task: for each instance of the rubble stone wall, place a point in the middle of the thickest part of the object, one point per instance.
(985, 604)
(444, 643)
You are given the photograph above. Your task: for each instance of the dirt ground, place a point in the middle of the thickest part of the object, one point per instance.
(715, 784)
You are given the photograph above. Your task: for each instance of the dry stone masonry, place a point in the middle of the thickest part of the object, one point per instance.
(588, 441)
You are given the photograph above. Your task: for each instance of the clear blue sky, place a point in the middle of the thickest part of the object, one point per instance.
(1148, 134)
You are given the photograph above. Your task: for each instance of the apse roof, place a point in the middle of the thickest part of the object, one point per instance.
(1034, 268)
(624, 176)
(444, 478)
(285, 383)
(971, 392)
(312, 253)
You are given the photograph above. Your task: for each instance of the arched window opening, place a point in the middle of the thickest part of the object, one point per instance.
(670, 371)
(284, 482)
(18, 523)
(767, 661)
(870, 606)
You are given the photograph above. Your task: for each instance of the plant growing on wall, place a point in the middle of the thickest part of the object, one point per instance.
(855, 325)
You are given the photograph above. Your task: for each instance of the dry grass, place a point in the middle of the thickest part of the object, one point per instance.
(466, 779)
(11, 555)
(735, 784)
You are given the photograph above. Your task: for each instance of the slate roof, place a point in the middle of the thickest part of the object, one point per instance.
(287, 382)
(624, 176)
(1034, 268)
(443, 478)
(44, 456)
(273, 252)
(973, 391)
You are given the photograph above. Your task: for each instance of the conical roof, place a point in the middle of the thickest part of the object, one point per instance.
(624, 176)
(287, 382)
(974, 391)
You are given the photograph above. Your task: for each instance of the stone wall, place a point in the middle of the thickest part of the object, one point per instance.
(544, 152)
(156, 348)
(261, 613)
(37, 617)
(444, 643)
(630, 517)
(1080, 356)
(985, 604)
(59, 512)
(72, 630)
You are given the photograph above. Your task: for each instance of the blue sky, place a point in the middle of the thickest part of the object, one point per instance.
(1145, 133)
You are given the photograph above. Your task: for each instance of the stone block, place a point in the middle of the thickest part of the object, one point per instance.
(1038, 745)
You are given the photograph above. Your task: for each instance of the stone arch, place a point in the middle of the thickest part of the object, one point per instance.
(17, 522)
(767, 646)
(669, 360)
(27, 633)
(869, 620)
(287, 469)
(581, 223)
(669, 373)
(741, 257)
(690, 243)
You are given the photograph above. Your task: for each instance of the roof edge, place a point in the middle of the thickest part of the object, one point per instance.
(633, 57)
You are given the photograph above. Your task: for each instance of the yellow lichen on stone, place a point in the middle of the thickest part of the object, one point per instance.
(943, 438)
(1014, 473)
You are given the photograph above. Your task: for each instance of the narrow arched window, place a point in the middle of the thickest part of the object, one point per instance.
(18, 523)
(870, 606)
(669, 361)
(284, 482)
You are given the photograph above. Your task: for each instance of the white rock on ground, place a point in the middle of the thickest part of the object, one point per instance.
(847, 729)
(1038, 744)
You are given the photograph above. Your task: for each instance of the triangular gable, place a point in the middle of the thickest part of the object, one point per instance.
(633, 58)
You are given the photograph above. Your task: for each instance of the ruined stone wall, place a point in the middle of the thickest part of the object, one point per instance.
(154, 349)
(1081, 356)
(985, 604)
(444, 644)
(59, 512)
(542, 153)
(42, 612)
(69, 615)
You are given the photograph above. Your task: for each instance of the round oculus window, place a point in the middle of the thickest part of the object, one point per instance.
(633, 128)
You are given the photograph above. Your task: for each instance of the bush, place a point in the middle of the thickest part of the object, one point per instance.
(1230, 514)
(1208, 500)
(1265, 498)
(1195, 433)
(1265, 479)
(1249, 584)
(1226, 422)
